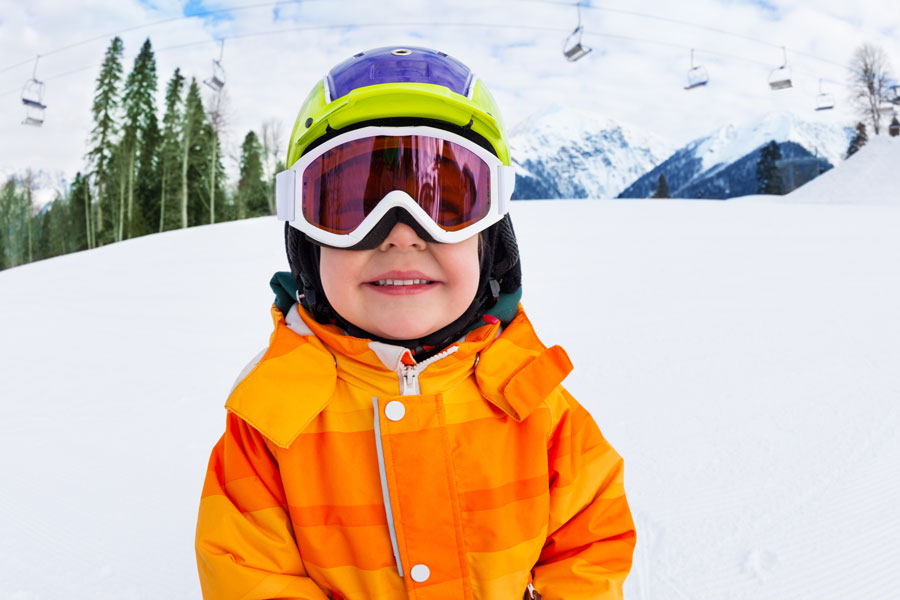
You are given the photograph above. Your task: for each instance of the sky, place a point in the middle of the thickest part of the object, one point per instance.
(274, 52)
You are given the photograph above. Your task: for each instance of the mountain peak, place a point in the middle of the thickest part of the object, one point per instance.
(563, 152)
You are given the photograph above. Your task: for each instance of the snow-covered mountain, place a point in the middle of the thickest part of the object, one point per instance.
(723, 163)
(560, 152)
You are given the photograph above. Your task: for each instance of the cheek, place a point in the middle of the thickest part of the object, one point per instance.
(337, 269)
(464, 268)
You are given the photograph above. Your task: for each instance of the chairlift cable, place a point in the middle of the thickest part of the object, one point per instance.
(204, 13)
(718, 30)
(407, 24)
(419, 24)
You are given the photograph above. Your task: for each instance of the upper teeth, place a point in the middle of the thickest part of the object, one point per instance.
(401, 281)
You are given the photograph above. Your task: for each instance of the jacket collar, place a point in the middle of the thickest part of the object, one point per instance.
(297, 376)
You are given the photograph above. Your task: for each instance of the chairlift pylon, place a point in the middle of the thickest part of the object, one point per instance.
(217, 81)
(780, 78)
(572, 46)
(697, 76)
(824, 101)
(33, 99)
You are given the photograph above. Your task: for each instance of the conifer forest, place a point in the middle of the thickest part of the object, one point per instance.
(145, 171)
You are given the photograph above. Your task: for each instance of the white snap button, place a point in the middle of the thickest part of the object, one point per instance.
(419, 573)
(394, 410)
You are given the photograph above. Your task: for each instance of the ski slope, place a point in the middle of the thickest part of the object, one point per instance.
(742, 356)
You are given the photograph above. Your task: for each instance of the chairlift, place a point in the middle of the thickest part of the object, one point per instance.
(824, 101)
(33, 99)
(572, 47)
(697, 76)
(894, 94)
(217, 81)
(780, 78)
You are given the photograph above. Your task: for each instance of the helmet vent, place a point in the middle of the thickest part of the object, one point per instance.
(401, 52)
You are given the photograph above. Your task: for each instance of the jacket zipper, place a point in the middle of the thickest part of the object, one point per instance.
(409, 374)
(409, 386)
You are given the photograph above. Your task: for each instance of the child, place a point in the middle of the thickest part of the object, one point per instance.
(405, 434)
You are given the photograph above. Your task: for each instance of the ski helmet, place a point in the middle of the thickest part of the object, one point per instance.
(399, 87)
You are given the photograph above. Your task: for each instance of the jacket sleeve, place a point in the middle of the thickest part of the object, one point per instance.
(245, 544)
(591, 535)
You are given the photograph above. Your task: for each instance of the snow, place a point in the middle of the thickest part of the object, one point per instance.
(742, 357)
(873, 173)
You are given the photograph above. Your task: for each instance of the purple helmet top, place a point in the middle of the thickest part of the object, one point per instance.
(393, 64)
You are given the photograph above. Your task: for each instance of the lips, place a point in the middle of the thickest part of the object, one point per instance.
(401, 282)
(384, 282)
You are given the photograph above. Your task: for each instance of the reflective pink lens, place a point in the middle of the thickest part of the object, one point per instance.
(449, 182)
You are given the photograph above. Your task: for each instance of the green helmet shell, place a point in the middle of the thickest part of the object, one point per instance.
(479, 113)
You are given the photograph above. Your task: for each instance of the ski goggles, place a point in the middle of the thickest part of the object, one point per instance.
(338, 192)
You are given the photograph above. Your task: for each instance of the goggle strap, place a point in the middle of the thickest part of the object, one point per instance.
(286, 194)
(506, 184)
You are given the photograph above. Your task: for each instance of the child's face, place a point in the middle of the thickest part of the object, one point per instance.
(402, 312)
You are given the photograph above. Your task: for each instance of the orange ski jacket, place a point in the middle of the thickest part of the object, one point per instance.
(349, 471)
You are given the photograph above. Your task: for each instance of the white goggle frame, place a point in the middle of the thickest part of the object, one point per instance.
(289, 195)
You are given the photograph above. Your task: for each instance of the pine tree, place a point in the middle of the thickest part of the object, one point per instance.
(191, 145)
(662, 187)
(53, 229)
(79, 214)
(768, 175)
(170, 145)
(217, 119)
(252, 189)
(140, 136)
(105, 110)
(859, 139)
(7, 229)
(215, 174)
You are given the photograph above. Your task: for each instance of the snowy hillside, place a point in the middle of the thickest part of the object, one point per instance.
(870, 174)
(723, 163)
(741, 356)
(561, 153)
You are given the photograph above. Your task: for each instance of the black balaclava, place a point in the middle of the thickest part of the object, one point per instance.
(500, 274)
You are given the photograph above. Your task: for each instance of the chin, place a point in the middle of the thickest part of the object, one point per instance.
(413, 329)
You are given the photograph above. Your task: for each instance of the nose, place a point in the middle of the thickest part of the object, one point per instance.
(402, 237)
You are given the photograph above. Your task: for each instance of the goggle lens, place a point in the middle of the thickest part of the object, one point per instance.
(447, 180)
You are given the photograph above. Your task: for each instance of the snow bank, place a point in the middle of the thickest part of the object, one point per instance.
(872, 175)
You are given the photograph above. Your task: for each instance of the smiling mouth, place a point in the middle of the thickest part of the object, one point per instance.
(390, 282)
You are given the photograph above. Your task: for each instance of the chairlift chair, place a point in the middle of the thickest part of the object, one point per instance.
(894, 127)
(33, 99)
(697, 76)
(217, 81)
(824, 101)
(780, 78)
(894, 94)
(572, 46)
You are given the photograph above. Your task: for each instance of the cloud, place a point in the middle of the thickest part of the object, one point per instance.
(274, 54)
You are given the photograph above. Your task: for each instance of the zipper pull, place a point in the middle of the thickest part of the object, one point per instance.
(410, 381)
(531, 593)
